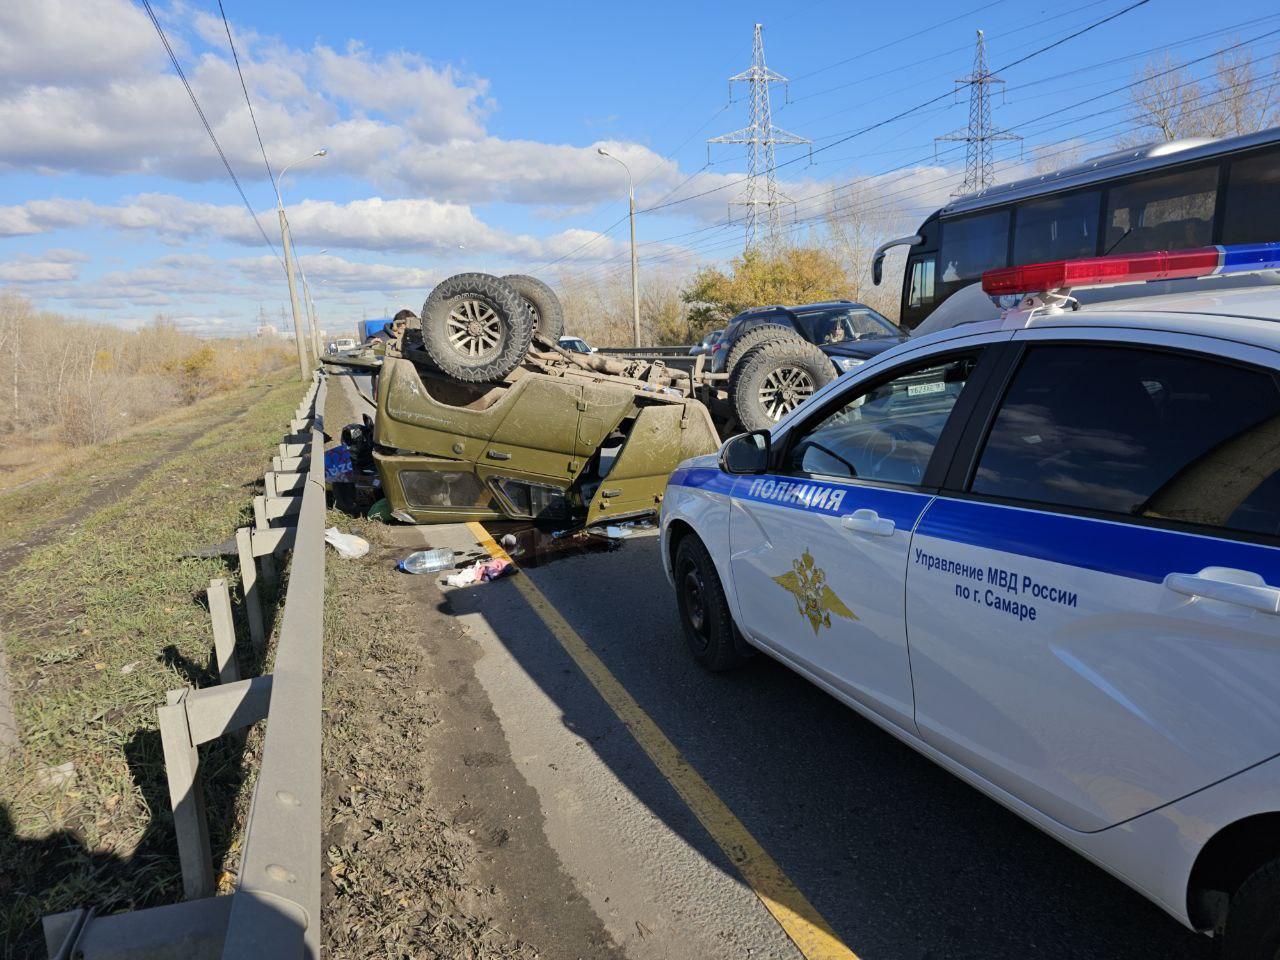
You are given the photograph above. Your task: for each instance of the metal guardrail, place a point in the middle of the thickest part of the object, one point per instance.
(275, 909)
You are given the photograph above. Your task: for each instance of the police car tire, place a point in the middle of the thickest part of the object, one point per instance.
(744, 386)
(719, 647)
(1253, 920)
(547, 309)
(513, 323)
(753, 338)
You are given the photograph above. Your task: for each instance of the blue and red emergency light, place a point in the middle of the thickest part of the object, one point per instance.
(1132, 268)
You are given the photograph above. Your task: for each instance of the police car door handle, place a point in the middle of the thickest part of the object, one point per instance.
(1239, 587)
(868, 521)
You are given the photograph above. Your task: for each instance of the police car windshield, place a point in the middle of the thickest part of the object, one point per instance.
(842, 324)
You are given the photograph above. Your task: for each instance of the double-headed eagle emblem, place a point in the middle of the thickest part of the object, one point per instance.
(814, 599)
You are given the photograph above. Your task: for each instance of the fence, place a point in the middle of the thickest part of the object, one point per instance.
(275, 909)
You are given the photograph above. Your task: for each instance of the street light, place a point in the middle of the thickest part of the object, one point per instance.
(635, 269)
(310, 304)
(303, 366)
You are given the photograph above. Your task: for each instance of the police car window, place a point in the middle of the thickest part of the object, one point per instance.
(1141, 433)
(888, 432)
(1172, 212)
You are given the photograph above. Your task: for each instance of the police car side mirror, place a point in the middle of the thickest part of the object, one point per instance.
(747, 453)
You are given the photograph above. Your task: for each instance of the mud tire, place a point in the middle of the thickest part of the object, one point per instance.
(753, 338)
(772, 369)
(475, 327)
(548, 314)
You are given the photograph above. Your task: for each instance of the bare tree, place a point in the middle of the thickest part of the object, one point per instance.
(1168, 103)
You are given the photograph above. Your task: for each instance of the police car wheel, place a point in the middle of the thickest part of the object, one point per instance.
(1253, 920)
(704, 610)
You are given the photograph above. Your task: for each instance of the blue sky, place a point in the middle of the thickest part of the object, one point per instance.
(463, 136)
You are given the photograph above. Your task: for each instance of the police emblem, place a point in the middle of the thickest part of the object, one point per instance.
(815, 601)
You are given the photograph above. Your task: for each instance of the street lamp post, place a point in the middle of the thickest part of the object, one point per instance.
(310, 304)
(304, 368)
(635, 267)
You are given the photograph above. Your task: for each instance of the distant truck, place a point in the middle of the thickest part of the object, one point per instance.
(371, 328)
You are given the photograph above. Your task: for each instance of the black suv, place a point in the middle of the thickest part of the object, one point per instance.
(846, 331)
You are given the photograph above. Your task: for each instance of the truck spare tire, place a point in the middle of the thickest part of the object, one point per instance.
(775, 378)
(475, 327)
(543, 304)
(752, 338)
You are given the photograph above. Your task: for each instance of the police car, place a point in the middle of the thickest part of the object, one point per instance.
(1044, 550)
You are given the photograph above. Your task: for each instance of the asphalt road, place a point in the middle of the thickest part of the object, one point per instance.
(902, 860)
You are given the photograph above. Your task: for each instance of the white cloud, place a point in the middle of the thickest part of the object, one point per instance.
(47, 267)
(74, 41)
(426, 226)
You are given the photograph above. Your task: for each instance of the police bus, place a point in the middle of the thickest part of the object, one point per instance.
(1177, 195)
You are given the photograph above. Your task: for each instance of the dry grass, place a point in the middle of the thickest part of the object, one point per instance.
(98, 622)
(64, 383)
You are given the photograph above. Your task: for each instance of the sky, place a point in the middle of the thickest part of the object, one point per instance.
(464, 136)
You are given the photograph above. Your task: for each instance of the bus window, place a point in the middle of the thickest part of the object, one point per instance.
(972, 245)
(921, 290)
(1253, 200)
(1058, 228)
(1173, 212)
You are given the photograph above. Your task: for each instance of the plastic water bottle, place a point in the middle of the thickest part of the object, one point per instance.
(427, 561)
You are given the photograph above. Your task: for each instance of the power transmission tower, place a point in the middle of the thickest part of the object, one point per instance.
(981, 133)
(761, 196)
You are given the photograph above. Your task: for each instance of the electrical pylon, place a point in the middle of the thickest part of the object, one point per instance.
(761, 196)
(981, 133)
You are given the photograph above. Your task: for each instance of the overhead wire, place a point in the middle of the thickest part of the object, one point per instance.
(195, 102)
(243, 86)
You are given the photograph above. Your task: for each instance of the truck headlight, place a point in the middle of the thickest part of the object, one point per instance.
(845, 364)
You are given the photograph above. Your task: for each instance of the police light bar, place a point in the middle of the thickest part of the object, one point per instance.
(1132, 268)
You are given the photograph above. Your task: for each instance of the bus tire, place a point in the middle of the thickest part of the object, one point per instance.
(543, 304)
(752, 339)
(475, 327)
(775, 378)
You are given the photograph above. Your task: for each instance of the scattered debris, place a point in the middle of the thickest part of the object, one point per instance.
(63, 775)
(481, 572)
(426, 561)
(338, 464)
(128, 668)
(348, 545)
(380, 511)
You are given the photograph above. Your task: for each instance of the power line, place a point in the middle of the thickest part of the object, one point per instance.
(760, 136)
(173, 58)
(248, 103)
(910, 110)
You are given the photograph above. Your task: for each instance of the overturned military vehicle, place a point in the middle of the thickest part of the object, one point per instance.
(481, 415)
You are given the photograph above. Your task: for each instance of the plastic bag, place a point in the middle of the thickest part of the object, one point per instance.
(348, 545)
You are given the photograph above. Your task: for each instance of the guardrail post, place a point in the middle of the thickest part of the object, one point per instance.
(249, 588)
(186, 795)
(260, 522)
(224, 631)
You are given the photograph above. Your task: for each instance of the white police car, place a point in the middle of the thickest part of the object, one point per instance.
(1044, 550)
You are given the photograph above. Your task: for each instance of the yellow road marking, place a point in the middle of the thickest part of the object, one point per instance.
(793, 911)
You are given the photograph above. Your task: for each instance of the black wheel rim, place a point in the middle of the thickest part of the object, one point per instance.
(693, 594)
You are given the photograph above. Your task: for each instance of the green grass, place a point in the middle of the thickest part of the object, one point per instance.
(98, 623)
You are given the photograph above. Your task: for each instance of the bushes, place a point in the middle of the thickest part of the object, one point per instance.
(64, 382)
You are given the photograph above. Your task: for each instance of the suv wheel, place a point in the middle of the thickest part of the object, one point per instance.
(709, 630)
(775, 378)
(475, 327)
(1253, 919)
(542, 303)
(748, 341)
